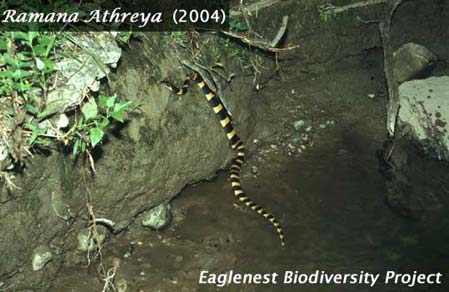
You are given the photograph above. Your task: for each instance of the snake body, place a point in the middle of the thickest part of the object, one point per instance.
(235, 143)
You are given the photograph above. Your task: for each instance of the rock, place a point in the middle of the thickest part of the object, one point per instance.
(254, 169)
(425, 113)
(82, 73)
(411, 60)
(298, 124)
(158, 217)
(41, 256)
(87, 241)
(121, 285)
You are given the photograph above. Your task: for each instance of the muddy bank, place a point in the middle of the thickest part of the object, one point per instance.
(330, 200)
(169, 142)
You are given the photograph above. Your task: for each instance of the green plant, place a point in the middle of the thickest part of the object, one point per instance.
(327, 11)
(179, 37)
(89, 129)
(237, 25)
(27, 62)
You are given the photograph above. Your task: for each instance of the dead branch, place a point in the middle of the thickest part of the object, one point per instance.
(385, 33)
(262, 44)
(360, 4)
(281, 32)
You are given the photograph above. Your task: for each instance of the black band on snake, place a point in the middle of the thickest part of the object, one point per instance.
(234, 141)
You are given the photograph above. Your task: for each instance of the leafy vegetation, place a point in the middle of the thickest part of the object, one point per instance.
(27, 75)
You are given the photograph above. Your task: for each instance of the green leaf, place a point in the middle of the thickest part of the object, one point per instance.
(90, 110)
(102, 101)
(49, 46)
(30, 108)
(20, 35)
(3, 45)
(83, 146)
(43, 141)
(48, 111)
(75, 147)
(6, 74)
(18, 74)
(111, 101)
(117, 116)
(23, 87)
(34, 135)
(31, 36)
(104, 123)
(119, 107)
(95, 135)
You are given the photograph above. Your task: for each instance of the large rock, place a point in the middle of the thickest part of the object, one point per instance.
(411, 60)
(425, 113)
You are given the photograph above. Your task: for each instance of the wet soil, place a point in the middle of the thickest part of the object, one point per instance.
(330, 198)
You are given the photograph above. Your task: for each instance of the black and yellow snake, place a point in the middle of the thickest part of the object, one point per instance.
(234, 141)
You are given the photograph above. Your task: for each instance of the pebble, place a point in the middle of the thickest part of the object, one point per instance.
(157, 217)
(41, 256)
(86, 240)
(298, 124)
(254, 169)
(121, 285)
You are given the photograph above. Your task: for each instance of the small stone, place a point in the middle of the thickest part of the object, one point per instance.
(41, 256)
(298, 124)
(323, 126)
(308, 129)
(121, 285)
(371, 95)
(87, 240)
(63, 121)
(158, 217)
(254, 169)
